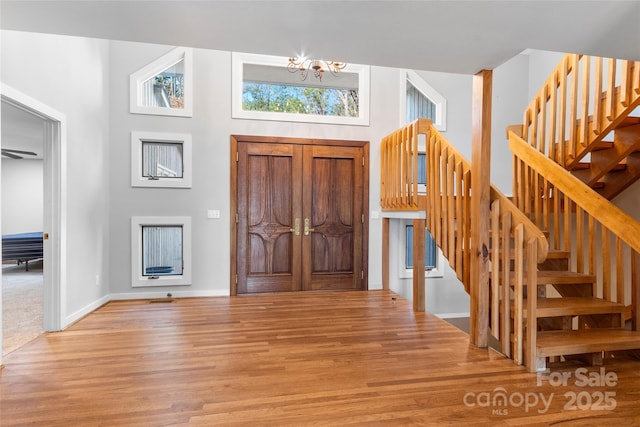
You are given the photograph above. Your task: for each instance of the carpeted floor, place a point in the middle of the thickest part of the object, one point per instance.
(22, 299)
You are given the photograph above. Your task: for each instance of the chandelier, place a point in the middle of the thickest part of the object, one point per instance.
(317, 66)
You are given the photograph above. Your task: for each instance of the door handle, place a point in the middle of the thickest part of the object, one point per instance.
(296, 227)
(307, 229)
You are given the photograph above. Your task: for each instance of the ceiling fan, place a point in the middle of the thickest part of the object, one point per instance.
(15, 154)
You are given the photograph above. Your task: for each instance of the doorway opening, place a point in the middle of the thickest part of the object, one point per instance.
(22, 226)
(31, 117)
(301, 214)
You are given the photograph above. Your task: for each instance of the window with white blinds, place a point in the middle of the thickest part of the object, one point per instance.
(161, 251)
(161, 159)
(418, 105)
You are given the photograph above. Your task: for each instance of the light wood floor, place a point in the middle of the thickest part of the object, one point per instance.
(340, 358)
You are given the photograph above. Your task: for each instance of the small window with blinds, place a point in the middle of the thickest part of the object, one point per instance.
(430, 258)
(160, 160)
(161, 249)
(433, 260)
(418, 105)
(421, 101)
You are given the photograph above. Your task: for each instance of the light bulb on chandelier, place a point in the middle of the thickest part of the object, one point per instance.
(317, 66)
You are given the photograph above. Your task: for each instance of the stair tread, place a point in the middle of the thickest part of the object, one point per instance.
(550, 255)
(574, 306)
(558, 254)
(561, 342)
(629, 121)
(554, 277)
(566, 306)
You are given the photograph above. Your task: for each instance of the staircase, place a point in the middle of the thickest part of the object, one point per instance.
(598, 136)
(578, 149)
(564, 261)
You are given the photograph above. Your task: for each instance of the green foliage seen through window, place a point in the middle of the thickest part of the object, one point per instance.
(299, 99)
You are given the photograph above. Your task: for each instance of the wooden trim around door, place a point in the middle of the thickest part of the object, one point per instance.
(233, 210)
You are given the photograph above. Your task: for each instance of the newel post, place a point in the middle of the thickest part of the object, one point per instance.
(480, 204)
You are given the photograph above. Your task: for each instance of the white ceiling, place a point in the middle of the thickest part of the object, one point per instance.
(449, 36)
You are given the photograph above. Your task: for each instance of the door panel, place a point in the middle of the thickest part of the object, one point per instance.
(299, 224)
(269, 192)
(333, 206)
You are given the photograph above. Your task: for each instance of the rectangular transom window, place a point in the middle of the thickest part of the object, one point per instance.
(264, 89)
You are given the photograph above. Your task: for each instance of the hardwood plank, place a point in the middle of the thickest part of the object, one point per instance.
(554, 343)
(553, 277)
(597, 105)
(575, 306)
(531, 358)
(506, 285)
(385, 253)
(495, 271)
(584, 118)
(419, 291)
(611, 90)
(233, 225)
(314, 358)
(480, 177)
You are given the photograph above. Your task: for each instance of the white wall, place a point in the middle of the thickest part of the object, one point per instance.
(70, 75)
(446, 296)
(510, 99)
(541, 64)
(628, 201)
(91, 86)
(211, 127)
(22, 196)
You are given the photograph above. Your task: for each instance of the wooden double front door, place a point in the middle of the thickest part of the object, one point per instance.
(300, 222)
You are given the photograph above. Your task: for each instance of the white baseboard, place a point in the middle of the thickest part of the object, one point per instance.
(451, 315)
(163, 294)
(74, 317)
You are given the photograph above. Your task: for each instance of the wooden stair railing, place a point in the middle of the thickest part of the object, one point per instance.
(602, 240)
(582, 102)
(399, 168)
(592, 258)
(516, 241)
